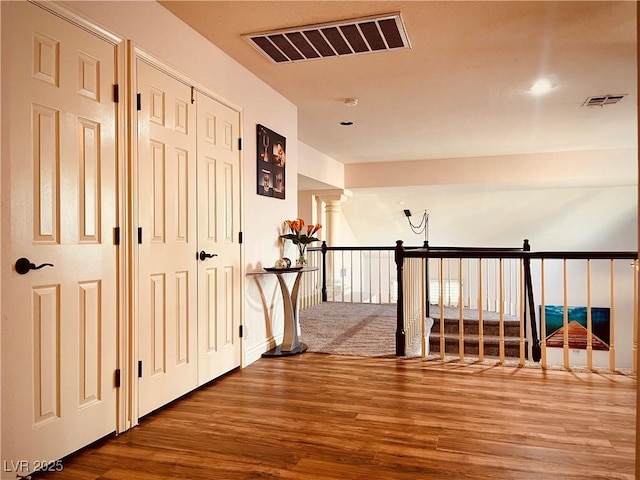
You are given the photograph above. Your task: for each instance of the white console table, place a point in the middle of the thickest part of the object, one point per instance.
(290, 345)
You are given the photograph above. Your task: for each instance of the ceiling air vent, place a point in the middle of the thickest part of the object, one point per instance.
(346, 37)
(602, 100)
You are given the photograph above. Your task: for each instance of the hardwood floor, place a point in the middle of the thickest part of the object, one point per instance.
(316, 416)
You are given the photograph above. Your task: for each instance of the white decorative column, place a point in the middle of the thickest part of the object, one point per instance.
(332, 201)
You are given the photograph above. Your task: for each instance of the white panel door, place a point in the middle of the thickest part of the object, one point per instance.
(218, 228)
(167, 280)
(58, 322)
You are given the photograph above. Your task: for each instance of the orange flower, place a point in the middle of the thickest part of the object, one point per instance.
(296, 236)
(311, 229)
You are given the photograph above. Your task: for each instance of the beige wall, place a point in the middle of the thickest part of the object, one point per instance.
(320, 167)
(579, 168)
(561, 201)
(578, 218)
(147, 24)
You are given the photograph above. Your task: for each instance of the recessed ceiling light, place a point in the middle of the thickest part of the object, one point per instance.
(541, 86)
(346, 124)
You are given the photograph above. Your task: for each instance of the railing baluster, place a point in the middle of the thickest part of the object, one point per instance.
(342, 289)
(589, 319)
(612, 336)
(379, 292)
(370, 275)
(333, 277)
(512, 309)
(423, 310)
(487, 285)
(469, 284)
(501, 321)
(351, 270)
(543, 318)
(565, 318)
(389, 286)
(480, 318)
(441, 302)
(499, 284)
(460, 315)
(636, 269)
(361, 283)
(447, 284)
(513, 268)
(522, 319)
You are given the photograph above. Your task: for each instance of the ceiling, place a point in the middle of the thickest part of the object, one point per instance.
(461, 90)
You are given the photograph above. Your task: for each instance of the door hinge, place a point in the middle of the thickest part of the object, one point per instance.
(239, 237)
(139, 368)
(116, 93)
(241, 331)
(117, 378)
(193, 95)
(140, 235)
(239, 144)
(138, 102)
(116, 236)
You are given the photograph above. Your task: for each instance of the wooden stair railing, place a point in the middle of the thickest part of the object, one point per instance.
(526, 295)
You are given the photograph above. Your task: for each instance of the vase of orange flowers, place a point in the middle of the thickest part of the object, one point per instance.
(301, 237)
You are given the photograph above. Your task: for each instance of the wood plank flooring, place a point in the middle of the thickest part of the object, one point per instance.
(316, 416)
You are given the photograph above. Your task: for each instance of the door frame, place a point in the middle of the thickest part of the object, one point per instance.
(135, 53)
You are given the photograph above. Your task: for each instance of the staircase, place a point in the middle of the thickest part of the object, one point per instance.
(491, 336)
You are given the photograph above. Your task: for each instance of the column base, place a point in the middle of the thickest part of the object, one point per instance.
(278, 352)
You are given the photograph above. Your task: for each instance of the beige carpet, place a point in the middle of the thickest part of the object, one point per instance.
(360, 329)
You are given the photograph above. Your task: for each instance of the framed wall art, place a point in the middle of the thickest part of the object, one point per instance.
(577, 327)
(271, 163)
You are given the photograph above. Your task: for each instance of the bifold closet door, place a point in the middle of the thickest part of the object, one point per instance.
(167, 267)
(58, 321)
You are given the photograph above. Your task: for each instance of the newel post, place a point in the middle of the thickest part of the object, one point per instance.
(400, 333)
(536, 351)
(324, 270)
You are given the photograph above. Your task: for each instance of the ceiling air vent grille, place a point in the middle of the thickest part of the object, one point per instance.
(346, 37)
(602, 100)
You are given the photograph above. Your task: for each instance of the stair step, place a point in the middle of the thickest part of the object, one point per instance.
(491, 345)
(471, 327)
(475, 338)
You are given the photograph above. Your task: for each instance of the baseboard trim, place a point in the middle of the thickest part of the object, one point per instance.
(255, 352)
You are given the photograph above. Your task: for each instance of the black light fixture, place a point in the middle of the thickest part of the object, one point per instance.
(422, 227)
